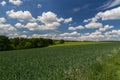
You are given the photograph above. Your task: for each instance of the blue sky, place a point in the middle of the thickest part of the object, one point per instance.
(61, 19)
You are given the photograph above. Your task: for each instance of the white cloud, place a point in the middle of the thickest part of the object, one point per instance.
(113, 35)
(7, 29)
(35, 26)
(113, 32)
(76, 28)
(19, 25)
(2, 20)
(50, 20)
(93, 25)
(68, 20)
(97, 35)
(3, 3)
(20, 15)
(70, 34)
(106, 27)
(87, 20)
(23, 36)
(71, 28)
(41, 35)
(16, 2)
(112, 14)
(94, 19)
(47, 21)
(93, 36)
(39, 5)
(31, 26)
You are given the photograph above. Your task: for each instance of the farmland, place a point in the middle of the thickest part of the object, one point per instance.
(72, 61)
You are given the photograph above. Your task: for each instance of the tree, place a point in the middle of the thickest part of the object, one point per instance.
(61, 41)
(4, 43)
(15, 42)
(28, 45)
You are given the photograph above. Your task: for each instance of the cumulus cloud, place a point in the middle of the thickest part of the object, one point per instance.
(93, 25)
(106, 27)
(47, 21)
(113, 35)
(113, 14)
(70, 34)
(49, 17)
(113, 32)
(19, 25)
(93, 36)
(94, 19)
(7, 29)
(76, 28)
(20, 15)
(68, 20)
(97, 35)
(31, 26)
(35, 26)
(3, 3)
(16, 2)
(2, 20)
(50, 20)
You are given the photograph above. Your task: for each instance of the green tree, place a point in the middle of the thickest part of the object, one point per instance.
(15, 42)
(61, 41)
(4, 43)
(28, 45)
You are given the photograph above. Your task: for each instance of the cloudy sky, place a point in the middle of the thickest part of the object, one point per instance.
(61, 19)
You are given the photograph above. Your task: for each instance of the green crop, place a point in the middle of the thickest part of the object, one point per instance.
(55, 63)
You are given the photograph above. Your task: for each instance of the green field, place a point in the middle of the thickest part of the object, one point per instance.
(70, 61)
(77, 43)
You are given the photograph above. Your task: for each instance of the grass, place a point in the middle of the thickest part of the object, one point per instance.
(75, 62)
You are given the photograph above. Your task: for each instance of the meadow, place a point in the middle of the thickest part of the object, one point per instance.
(69, 61)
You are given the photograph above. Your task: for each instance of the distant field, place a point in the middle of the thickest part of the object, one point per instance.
(61, 62)
(78, 43)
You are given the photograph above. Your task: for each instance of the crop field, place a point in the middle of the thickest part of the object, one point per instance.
(75, 62)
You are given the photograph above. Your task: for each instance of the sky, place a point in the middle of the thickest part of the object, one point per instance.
(81, 20)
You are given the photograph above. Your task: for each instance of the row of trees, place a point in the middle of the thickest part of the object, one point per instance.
(25, 43)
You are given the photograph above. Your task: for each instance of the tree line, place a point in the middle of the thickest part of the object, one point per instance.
(25, 43)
